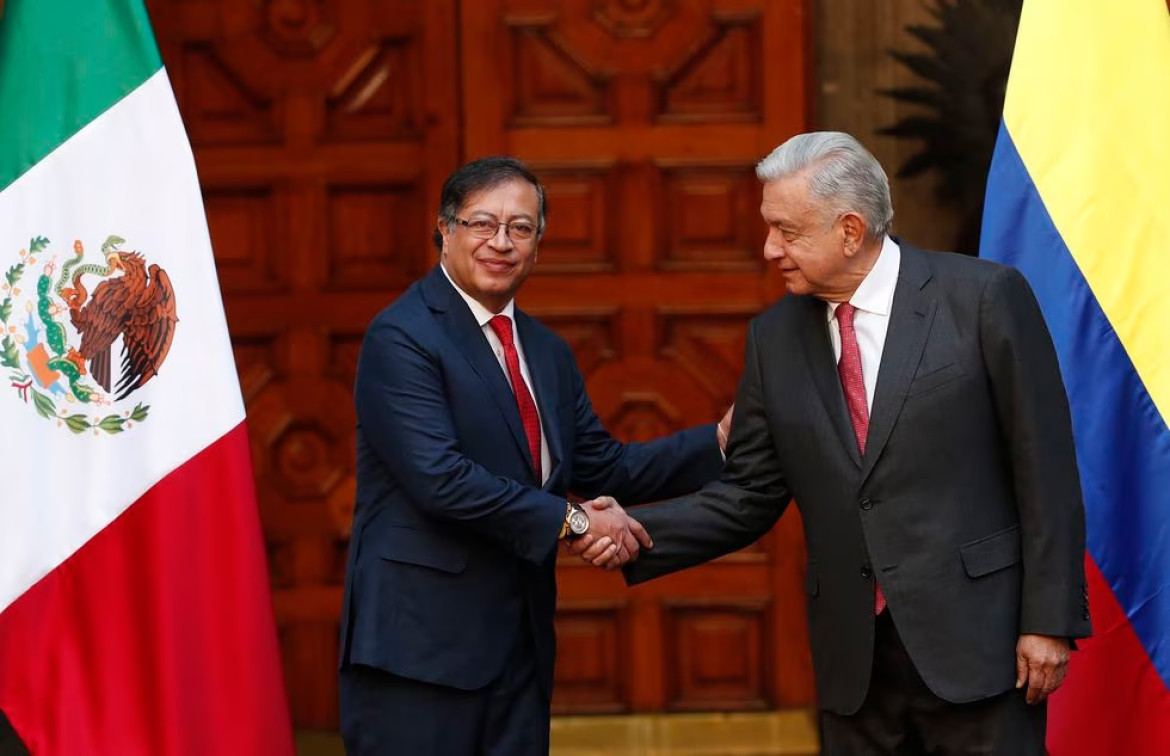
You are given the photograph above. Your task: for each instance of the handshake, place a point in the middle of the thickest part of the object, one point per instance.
(613, 539)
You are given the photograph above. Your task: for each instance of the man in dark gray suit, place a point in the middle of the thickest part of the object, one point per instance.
(911, 404)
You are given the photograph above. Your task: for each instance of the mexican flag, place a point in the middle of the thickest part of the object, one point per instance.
(135, 614)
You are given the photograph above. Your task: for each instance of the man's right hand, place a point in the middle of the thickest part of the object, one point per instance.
(613, 539)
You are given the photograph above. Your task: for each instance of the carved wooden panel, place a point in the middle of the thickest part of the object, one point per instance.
(593, 664)
(341, 361)
(593, 335)
(703, 212)
(371, 241)
(257, 361)
(245, 225)
(718, 655)
(708, 346)
(583, 199)
(375, 98)
(301, 437)
(222, 108)
(723, 79)
(551, 84)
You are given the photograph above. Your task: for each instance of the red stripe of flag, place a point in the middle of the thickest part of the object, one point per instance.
(1113, 701)
(157, 636)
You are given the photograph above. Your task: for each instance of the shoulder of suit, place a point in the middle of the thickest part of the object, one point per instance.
(534, 327)
(407, 308)
(955, 266)
(787, 307)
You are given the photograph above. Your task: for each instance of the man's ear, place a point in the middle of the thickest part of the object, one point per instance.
(444, 230)
(853, 230)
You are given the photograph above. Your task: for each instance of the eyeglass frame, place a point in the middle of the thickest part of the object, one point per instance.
(466, 223)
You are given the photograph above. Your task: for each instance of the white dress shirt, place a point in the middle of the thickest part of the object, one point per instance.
(483, 316)
(873, 299)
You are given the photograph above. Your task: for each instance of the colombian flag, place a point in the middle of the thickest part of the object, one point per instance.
(1079, 200)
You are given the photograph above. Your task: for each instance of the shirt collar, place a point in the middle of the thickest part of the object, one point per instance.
(481, 314)
(876, 292)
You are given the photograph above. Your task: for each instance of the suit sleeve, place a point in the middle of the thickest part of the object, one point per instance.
(1033, 412)
(402, 410)
(635, 473)
(732, 512)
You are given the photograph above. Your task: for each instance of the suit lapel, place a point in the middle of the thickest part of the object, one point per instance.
(814, 333)
(911, 316)
(543, 372)
(460, 325)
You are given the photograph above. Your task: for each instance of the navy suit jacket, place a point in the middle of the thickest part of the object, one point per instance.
(454, 539)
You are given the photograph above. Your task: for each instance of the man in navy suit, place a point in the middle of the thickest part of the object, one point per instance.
(473, 425)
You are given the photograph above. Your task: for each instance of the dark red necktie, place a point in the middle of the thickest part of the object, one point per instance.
(502, 325)
(853, 382)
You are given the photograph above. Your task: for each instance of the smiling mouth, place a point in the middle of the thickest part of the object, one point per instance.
(497, 265)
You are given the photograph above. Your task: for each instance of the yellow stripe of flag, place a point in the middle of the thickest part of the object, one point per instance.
(1088, 108)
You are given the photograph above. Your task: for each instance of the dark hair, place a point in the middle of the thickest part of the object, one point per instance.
(478, 175)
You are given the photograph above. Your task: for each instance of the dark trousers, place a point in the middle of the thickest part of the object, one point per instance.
(10, 743)
(386, 715)
(901, 716)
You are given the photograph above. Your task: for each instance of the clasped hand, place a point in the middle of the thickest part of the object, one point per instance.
(613, 539)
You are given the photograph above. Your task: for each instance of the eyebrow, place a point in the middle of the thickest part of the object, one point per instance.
(485, 213)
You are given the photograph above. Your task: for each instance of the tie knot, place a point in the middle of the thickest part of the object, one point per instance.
(845, 315)
(502, 325)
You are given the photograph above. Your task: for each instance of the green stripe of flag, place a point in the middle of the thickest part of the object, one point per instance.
(62, 64)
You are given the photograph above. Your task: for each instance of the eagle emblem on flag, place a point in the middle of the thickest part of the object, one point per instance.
(61, 335)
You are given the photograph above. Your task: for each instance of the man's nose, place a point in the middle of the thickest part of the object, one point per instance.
(501, 239)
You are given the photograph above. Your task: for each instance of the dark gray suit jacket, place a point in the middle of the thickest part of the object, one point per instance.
(966, 506)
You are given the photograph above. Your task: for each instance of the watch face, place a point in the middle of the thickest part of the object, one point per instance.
(578, 522)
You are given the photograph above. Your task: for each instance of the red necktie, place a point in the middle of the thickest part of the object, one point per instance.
(502, 325)
(852, 381)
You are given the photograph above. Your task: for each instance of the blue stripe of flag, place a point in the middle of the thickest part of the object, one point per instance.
(1123, 443)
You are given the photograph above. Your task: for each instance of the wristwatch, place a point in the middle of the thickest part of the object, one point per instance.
(576, 521)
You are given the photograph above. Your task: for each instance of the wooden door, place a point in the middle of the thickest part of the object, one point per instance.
(645, 118)
(322, 131)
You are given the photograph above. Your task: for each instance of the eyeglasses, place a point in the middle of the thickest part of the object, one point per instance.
(486, 228)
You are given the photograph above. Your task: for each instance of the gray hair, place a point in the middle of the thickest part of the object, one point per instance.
(840, 171)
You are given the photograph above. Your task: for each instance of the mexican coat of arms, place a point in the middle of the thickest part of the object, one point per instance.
(60, 340)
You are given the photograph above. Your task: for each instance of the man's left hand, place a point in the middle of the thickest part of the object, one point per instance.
(724, 428)
(1041, 663)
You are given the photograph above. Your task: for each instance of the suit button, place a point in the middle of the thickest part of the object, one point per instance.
(867, 503)
(1086, 614)
(866, 572)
